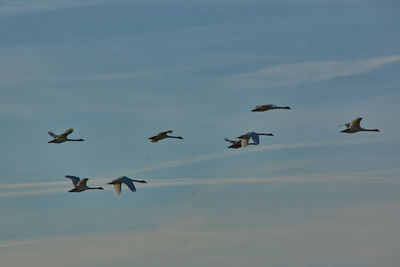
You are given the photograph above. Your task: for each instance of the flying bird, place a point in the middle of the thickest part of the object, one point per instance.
(254, 136)
(124, 180)
(80, 185)
(163, 135)
(62, 137)
(354, 126)
(268, 107)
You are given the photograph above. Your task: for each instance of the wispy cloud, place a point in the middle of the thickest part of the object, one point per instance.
(230, 153)
(55, 187)
(46, 191)
(26, 242)
(308, 72)
(24, 6)
(319, 177)
(41, 188)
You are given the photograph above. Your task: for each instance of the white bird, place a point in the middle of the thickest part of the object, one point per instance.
(62, 137)
(254, 136)
(124, 180)
(354, 127)
(80, 185)
(163, 135)
(268, 107)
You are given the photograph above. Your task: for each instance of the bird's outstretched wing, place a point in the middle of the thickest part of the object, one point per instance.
(244, 142)
(355, 123)
(228, 140)
(129, 183)
(254, 137)
(244, 136)
(75, 179)
(83, 182)
(117, 189)
(268, 106)
(166, 132)
(67, 132)
(118, 181)
(52, 134)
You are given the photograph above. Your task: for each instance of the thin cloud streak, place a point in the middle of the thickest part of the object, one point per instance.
(230, 153)
(173, 163)
(20, 7)
(305, 178)
(280, 179)
(47, 184)
(25, 242)
(33, 192)
(308, 72)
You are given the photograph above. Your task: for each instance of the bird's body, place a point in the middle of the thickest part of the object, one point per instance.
(80, 185)
(62, 137)
(124, 180)
(354, 127)
(268, 107)
(163, 135)
(254, 136)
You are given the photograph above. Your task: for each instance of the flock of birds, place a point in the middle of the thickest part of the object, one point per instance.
(242, 141)
(81, 185)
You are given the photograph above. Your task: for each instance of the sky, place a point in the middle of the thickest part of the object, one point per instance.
(121, 71)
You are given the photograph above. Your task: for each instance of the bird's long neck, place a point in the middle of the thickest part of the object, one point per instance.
(370, 130)
(283, 107)
(170, 136)
(269, 134)
(140, 181)
(74, 140)
(94, 188)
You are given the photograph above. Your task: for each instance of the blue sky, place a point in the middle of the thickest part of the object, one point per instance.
(121, 71)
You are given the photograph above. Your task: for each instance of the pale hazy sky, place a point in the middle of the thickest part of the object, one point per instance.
(120, 71)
